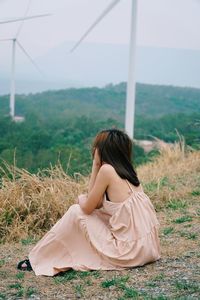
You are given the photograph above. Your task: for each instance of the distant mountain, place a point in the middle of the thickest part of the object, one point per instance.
(35, 86)
(99, 64)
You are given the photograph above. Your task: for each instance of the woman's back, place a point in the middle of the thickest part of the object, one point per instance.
(118, 189)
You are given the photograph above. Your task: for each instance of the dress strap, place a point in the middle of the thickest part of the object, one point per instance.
(130, 187)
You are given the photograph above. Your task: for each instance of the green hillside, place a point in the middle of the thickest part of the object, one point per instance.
(108, 102)
(61, 124)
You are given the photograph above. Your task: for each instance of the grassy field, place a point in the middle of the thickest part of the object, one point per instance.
(31, 204)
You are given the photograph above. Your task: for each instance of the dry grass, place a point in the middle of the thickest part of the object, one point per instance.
(30, 204)
(174, 174)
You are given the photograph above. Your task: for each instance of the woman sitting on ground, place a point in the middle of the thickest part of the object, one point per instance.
(113, 227)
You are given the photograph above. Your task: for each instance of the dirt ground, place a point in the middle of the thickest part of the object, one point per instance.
(175, 276)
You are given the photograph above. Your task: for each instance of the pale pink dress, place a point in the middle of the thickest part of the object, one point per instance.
(113, 237)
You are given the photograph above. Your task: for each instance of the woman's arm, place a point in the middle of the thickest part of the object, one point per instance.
(95, 169)
(97, 189)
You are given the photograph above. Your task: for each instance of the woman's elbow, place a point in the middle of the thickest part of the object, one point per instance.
(87, 211)
(88, 204)
(82, 200)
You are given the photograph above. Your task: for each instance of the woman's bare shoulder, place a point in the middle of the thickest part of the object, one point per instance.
(107, 169)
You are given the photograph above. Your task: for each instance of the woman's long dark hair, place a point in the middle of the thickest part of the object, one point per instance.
(115, 148)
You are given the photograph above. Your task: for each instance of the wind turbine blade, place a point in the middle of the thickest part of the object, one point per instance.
(102, 15)
(22, 22)
(26, 18)
(29, 57)
(5, 40)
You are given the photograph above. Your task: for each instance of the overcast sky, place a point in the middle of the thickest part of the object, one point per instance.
(161, 23)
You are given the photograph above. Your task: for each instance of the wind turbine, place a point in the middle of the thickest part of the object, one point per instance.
(22, 19)
(12, 88)
(130, 94)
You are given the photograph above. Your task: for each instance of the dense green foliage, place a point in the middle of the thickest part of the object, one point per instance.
(60, 125)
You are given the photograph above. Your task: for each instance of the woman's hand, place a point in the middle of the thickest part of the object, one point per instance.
(95, 169)
(82, 200)
(96, 160)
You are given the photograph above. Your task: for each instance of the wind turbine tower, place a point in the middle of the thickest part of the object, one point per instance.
(12, 87)
(15, 42)
(130, 94)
